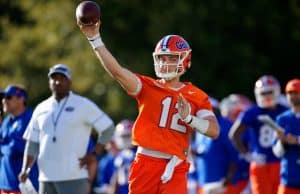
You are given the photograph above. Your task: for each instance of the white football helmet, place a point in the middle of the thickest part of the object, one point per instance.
(122, 135)
(232, 105)
(172, 45)
(267, 91)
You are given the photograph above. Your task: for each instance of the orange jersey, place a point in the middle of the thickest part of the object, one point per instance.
(158, 125)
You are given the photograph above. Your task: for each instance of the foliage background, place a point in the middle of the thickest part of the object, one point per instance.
(234, 42)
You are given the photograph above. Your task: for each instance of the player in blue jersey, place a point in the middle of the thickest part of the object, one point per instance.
(104, 173)
(231, 107)
(11, 142)
(264, 166)
(215, 159)
(124, 158)
(106, 168)
(288, 146)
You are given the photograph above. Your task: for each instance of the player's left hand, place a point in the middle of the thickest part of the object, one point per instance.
(184, 108)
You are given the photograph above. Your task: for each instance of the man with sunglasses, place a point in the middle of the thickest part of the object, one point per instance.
(11, 142)
(264, 165)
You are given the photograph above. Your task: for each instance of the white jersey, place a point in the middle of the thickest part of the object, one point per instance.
(63, 130)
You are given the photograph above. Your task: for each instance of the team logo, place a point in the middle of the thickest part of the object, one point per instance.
(181, 45)
(69, 109)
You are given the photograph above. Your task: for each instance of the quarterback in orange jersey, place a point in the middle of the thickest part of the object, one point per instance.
(166, 117)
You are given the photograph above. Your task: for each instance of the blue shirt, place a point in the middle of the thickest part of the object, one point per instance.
(122, 164)
(290, 162)
(214, 156)
(261, 135)
(12, 147)
(105, 169)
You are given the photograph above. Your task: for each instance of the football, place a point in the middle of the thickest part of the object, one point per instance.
(88, 12)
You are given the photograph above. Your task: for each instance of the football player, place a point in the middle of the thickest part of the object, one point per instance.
(231, 107)
(288, 144)
(215, 159)
(124, 158)
(169, 110)
(264, 165)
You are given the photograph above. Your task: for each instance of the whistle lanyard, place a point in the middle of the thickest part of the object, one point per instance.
(55, 120)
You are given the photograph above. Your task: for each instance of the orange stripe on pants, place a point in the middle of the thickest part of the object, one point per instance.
(145, 174)
(265, 178)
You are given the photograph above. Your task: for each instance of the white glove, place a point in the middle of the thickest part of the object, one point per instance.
(169, 170)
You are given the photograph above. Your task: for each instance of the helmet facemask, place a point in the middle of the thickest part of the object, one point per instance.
(267, 92)
(169, 70)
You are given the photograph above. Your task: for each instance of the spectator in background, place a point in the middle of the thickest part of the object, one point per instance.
(58, 135)
(264, 165)
(288, 144)
(215, 159)
(12, 143)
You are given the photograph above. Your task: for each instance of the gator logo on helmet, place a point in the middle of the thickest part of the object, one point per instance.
(182, 45)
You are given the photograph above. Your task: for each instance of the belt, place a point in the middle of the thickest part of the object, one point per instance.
(153, 153)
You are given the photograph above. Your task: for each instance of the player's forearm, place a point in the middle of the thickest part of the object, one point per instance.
(235, 134)
(106, 135)
(30, 154)
(240, 145)
(213, 129)
(126, 78)
(109, 62)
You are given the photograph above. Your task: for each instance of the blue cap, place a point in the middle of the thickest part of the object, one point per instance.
(60, 68)
(13, 90)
